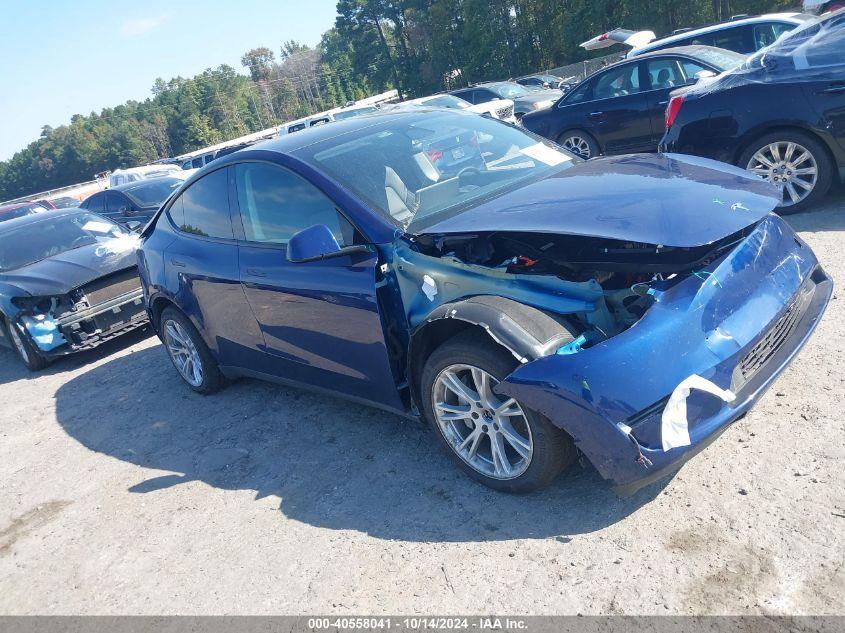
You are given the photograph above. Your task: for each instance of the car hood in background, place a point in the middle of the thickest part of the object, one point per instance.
(60, 274)
(665, 199)
(540, 95)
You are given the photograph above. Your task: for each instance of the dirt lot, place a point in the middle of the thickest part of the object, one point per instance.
(123, 492)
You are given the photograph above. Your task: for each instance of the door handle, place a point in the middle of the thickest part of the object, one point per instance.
(833, 90)
(597, 114)
(662, 103)
(176, 262)
(255, 272)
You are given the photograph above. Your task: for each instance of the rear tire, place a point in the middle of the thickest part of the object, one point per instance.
(23, 348)
(580, 143)
(535, 450)
(792, 174)
(189, 353)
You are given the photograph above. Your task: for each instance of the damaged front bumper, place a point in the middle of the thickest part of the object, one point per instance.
(86, 327)
(737, 324)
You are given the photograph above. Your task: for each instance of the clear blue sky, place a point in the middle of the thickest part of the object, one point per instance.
(63, 58)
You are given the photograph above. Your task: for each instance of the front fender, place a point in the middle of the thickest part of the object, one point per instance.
(705, 325)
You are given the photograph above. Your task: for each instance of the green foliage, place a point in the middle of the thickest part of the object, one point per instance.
(417, 46)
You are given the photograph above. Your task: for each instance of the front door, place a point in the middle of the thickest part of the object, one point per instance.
(618, 114)
(320, 320)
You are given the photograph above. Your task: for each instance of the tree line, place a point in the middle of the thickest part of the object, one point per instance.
(416, 46)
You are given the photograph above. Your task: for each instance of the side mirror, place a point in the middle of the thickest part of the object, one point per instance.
(704, 74)
(318, 242)
(134, 225)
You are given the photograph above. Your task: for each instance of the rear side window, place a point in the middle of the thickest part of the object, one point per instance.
(665, 73)
(203, 209)
(275, 203)
(96, 203)
(767, 33)
(734, 39)
(618, 82)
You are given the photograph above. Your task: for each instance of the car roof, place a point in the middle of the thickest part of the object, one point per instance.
(139, 183)
(18, 205)
(41, 216)
(794, 17)
(690, 49)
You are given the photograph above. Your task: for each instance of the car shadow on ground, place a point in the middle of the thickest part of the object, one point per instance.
(12, 369)
(332, 464)
(830, 217)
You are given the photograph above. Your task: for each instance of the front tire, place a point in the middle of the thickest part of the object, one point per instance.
(23, 348)
(189, 353)
(494, 439)
(794, 162)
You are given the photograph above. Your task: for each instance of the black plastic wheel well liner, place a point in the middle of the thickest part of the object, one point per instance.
(526, 332)
(157, 307)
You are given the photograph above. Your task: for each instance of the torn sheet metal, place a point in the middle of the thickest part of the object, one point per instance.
(674, 424)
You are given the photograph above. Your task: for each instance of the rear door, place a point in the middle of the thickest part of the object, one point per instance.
(320, 320)
(202, 271)
(663, 75)
(618, 113)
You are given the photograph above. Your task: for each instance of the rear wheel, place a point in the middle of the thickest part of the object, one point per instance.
(580, 143)
(795, 163)
(189, 353)
(23, 348)
(493, 438)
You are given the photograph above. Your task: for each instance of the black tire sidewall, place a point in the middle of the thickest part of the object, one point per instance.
(36, 361)
(212, 379)
(823, 162)
(553, 449)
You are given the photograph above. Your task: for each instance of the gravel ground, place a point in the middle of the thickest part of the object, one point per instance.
(121, 492)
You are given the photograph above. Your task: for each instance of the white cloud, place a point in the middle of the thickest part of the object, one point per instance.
(136, 27)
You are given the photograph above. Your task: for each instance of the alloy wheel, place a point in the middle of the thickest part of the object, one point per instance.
(491, 434)
(577, 145)
(183, 352)
(788, 165)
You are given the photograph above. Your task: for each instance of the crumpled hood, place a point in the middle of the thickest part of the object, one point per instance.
(665, 199)
(60, 274)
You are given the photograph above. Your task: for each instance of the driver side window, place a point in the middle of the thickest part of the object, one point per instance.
(276, 203)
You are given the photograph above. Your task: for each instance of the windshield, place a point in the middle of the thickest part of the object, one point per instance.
(19, 212)
(720, 58)
(348, 114)
(446, 101)
(416, 166)
(509, 91)
(153, 192)
(32, 242)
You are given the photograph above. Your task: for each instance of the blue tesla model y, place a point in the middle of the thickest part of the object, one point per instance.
(528, 306)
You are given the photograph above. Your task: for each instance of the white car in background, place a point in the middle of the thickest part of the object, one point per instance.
(741, 34)
(124, 176)
(501, 109)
